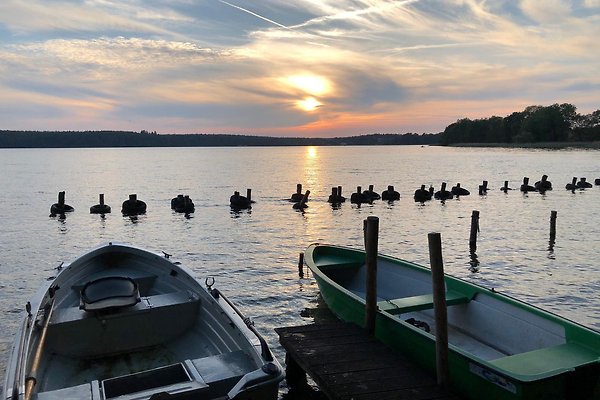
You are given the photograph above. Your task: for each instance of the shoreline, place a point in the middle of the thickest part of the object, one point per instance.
(538, 145)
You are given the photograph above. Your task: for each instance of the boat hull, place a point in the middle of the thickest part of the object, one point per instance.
(122, 322)
(470, 375)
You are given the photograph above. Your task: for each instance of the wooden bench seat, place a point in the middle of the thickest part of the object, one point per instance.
(548, 361)
(422, 302)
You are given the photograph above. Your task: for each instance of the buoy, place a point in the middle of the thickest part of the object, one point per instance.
(358, 197)
(133, 206)
(60, 207)
(573, 185)
(302, 203)
(543, 185)
(296, 197)
(390, 194)
(371, 195)
(443, 194)
(240, 202)
(583, 184)
(100, 208)
(459, 191)
(526, 187)
(422, 195)
(182, 204)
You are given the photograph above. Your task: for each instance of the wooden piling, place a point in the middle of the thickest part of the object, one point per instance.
(371, 243)
(505, 188)
(474, 229)
(439, 308)
(301, 265)
(299, 188)
(553, 225)
(249, 195)
(302, 203)
(101, 198)
(133, 199)
(61, 199)
(339, 192)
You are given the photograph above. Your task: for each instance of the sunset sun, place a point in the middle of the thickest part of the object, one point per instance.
(309, 104)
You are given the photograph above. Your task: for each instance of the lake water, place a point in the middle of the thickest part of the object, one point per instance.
(254, 254)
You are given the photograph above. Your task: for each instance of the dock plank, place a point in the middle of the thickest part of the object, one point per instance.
(346, 363)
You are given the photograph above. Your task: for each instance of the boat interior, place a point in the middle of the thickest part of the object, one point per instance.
(130, 328)
(479, 323)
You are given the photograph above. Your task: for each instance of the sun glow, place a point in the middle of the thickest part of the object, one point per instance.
(311, 84)
(309, 104)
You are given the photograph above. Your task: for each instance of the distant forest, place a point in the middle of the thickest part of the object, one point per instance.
(33, 139)
(555, 123)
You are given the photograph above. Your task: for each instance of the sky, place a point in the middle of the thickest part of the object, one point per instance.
(302, 68)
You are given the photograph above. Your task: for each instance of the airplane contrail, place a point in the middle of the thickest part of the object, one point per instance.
(256, 15)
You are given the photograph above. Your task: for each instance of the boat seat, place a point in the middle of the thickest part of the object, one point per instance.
(109, 293)
(548, 361)
(75, 332)
(79, 392)
(422, 302)
(221, 371)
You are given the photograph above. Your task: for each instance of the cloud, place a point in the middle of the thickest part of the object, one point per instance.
(546, 11)
(190, 65)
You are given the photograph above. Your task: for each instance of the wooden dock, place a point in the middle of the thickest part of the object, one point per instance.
(346, 363)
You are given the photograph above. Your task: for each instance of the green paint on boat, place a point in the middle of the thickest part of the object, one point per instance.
(500, 347)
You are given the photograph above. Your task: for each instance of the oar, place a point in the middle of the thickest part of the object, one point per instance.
(31, 378)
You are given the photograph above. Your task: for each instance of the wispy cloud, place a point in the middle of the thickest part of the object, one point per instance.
(232, 66)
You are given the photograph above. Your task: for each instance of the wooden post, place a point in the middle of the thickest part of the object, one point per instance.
(552, 225)
(304, 198)
(439, 308)
(301, 265)
(101, 199)
(371, 244)
(249, 195)
(505, 188)
(133, 199)
(474, 229)
(299, 188)
(61, 199)
(339, 191)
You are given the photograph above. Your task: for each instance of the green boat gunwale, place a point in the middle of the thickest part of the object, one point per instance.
(576, 336)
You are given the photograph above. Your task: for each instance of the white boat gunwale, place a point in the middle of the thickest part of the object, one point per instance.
(268, 369)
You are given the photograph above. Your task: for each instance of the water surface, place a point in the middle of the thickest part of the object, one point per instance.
(253, 254)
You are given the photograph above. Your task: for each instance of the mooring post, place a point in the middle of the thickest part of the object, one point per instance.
(249, 195)
(101, 199)
(371, 243)
(339, 191)
(439, 308)
(474, 230)
(505, 188)
(301, 265)
(304, 198)
(133, 199)
(299, 188)
(61, 199)
(553, 225)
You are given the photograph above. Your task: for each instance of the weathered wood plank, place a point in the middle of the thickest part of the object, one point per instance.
(346, 363)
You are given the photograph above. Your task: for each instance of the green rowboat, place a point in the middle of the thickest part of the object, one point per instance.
(499, 347)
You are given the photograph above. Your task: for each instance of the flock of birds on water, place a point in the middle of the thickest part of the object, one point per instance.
(184, 204)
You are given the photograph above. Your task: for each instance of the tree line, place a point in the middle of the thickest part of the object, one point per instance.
(85, 139)
(554, 123)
